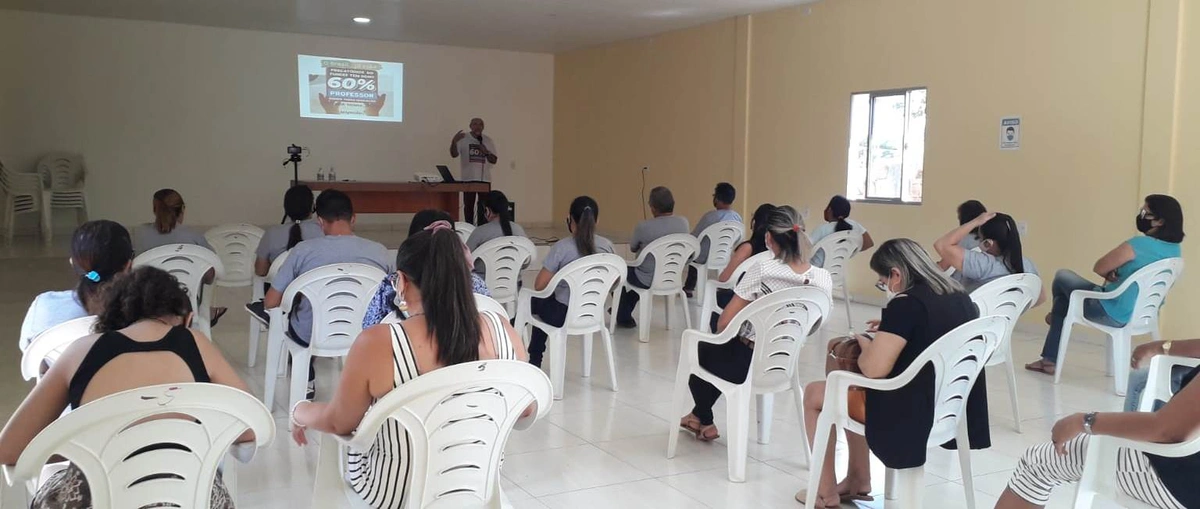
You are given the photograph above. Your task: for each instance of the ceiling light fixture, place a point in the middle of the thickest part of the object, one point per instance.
(361, 20)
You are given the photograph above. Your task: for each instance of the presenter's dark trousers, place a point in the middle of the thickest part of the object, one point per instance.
(471, 214)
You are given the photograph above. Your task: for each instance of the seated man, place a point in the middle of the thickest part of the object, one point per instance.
(335, 215)
(1140, 362)
(662, 205)
(722, 198)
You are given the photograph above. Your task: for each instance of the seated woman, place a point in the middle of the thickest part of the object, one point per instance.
(1166, 483)
(384, 305)
(757, 243)
(999, 253)
(837, 219)
(167, 229)
(1160, 221)
(146, 313)
(444, 328)
(100, 250)
(923, 305)
(298, 205)
(499, 223)
(731, 360)
(581, 221)
(967, 211)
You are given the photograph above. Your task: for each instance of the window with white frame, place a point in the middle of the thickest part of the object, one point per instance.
(887, 146)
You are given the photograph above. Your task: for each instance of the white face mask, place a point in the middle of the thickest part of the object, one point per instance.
(887, 290)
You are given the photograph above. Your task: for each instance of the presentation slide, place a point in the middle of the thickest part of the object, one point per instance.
(348, 89)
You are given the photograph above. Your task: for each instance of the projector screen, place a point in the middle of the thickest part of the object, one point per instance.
(348, 89)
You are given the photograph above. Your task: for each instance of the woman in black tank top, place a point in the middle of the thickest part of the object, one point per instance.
(145, 311)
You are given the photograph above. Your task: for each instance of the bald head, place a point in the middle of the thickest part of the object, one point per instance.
(477, 126)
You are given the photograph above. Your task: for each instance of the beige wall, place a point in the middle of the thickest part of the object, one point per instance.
(1095, 81)
(209, 111)
(664, 102)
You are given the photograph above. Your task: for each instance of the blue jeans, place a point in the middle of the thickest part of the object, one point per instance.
(1065, 282)
(1137, 385)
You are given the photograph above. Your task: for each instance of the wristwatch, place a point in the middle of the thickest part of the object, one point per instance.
(1088, 420)
(1166, 346)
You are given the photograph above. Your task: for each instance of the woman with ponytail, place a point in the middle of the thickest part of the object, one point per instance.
(99, 251)
(837, 219)
(167, 227)
(789, 268)
(444, 328)
(581, 221)
(999, 253)
(499, 224)
(298, 205)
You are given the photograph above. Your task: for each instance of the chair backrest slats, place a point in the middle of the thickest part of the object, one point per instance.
(782, 322)
(503, 258)
(672, 254)
(722, 238)
(1009, 296)
(236, 245)
(839, 248)
(591, 280)
(339, 295)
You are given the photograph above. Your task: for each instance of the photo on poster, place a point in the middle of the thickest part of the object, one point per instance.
(1010, 133)
(349, 89)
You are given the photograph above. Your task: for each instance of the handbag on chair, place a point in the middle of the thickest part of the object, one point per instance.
(843, 356)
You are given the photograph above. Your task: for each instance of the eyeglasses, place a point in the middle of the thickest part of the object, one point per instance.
(881, 286)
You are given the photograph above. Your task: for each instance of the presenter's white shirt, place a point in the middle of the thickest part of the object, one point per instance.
(473, 163)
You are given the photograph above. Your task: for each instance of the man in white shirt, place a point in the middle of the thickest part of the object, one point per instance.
(476, 155)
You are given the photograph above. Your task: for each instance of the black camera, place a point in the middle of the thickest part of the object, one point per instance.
(294, 150)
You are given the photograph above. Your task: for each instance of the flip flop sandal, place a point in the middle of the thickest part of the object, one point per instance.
(693, 425)
(217, 314)
(862, 496)
(802, 495)
(703, 436)
(1040, 366)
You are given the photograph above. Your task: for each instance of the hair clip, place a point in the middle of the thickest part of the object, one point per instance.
(439, 225)
(795, 227)
(92, 276)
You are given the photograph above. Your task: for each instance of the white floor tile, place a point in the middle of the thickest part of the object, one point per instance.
(647, 494)
(569, 469)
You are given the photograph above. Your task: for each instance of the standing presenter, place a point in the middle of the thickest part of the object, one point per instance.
(476, 154)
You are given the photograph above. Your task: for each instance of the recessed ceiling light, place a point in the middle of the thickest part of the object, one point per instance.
(361, 20)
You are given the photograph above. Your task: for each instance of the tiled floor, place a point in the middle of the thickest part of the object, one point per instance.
(601, 449)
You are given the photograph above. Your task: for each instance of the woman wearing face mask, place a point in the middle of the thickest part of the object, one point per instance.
(1160, 220)
(999, 252)
(923, 305)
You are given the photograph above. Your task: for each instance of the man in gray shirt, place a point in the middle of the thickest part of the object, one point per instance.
(335, 215)
(723, 197)
(665, 222)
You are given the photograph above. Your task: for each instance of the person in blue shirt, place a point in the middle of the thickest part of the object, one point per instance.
(1160, 221)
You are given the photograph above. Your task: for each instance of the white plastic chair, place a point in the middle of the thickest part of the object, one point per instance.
(709, 303)
(22, 195)
(957, 359)
(1009, 296)
(257, 325)
(1158, 385)
(1100, 467)
(782, 322)
(63, 177)
(103, 439)
(464, 230)
(51, 343)
(672, 254)
(839, 248)
(591, 280)
(188, 263)
(1153, 282)
(722, 238)
(503, 258)
(458, 419)
(339, 295)
(235, 244)
(484, 303)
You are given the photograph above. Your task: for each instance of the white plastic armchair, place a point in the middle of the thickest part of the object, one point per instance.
(51, 343)
(108, 438)
(722, 238)
(1009, 296)
(188, 263)
(1158, 384)
(591, 280)
(1100, 468)
(464, 230)
(257, 325)
(484, 304)
(339, 295)
(838, 249)
(782, 322)
(672, 254)
(1153, 282)
(22, 195)
(63, 176)
(235, 244)
(957, 359)
(458, 419)
(503, 259)
(709, 304)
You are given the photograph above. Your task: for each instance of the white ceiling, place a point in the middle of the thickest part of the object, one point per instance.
(523, 25)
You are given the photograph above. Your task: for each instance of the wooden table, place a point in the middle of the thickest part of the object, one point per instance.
(403, 197)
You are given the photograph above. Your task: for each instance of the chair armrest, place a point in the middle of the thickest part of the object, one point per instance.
(243, 452)
(1178, 450)
(695, 337)
(841, 381)
(528, 293)
(1162, 362)
(1078, 296)
(10, 480)
(1158, 382)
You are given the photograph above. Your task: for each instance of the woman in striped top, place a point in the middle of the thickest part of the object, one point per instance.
(443, 328)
